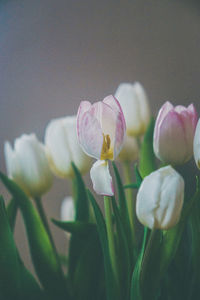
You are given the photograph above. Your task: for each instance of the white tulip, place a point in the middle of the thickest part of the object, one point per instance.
(27, 165)
(160, 199)
(135, 106)
(196, 145)
(67, 212)
(130, 150)
(63, 147)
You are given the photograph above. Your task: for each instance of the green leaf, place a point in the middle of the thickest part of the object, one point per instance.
(124, 261)
(147, 157)
(11, 210)
(137, 175)
(81, 199)
(77, 227)
(16, 282)
(135, 282)
(111, 288)
(121, 195)
(9, 264)
(89, 277)
(82, 215)
(43, 255)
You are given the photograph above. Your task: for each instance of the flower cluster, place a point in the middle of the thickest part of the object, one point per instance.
(119, 128)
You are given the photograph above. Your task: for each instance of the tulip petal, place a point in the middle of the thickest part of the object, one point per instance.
(58, 148)
(101, 178)
(81, 160)
(90, 135)
(171, 142)
(166, 107)
(193, 115)
(67, 212)
(160, 199)
(196, 145)
(143, 103)
(34, 167)
(120, 124)
(130, 149)
(83, 107)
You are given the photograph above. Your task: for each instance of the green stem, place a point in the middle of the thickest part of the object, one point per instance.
(110, 233)
(43, 217)
(147, 254)
(130, 201)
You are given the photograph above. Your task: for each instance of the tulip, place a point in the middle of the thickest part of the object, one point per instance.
(135, 106)
(196, 145)
(174, 133)
(130, 150)
(27, 165)
(63, 147)
(67, 210)
(160, 199)
(101, 130)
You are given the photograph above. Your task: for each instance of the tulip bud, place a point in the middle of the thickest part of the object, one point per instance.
(27, 165)
(135, 106)
(174, 133)
(67, 212)
(196, 145)
(63, 147)
(130, 150)
(160, 199)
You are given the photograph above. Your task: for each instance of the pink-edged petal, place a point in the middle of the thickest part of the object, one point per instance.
(83, 107)
(166, 107)
(101, 178)
(90, 135)
(120, 124)
(172, 146)
(193, 115)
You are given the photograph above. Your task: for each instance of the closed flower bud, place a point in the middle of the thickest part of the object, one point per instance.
(130, 150)
(63, 147)
(196, 145)
(135, 106)
(174, 133)
(160, 199)
(27, 165)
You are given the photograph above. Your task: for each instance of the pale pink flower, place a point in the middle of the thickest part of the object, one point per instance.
(174, 133)
(101, 130)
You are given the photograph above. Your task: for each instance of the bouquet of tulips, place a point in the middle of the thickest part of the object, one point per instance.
(145, 244)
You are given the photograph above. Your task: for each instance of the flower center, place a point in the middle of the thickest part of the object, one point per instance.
(107, 151)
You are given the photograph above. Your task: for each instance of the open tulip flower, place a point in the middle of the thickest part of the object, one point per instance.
(174, 133)
(101, 130)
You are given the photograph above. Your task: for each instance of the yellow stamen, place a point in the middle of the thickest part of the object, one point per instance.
(107, 151)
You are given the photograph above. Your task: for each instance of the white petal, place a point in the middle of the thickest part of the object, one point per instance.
(67, 212)
(81, 160)
(130, 150)
(59, 152)
(101, 178)
(196, 145)
(160, 199)
(34, 169)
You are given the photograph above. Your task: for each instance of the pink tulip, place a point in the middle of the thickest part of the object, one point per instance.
(101, 130)
(174, 133)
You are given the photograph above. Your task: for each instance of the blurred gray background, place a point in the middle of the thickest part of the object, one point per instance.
(53, 54)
